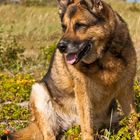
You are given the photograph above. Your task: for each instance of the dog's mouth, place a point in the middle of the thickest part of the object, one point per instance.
(74, 58)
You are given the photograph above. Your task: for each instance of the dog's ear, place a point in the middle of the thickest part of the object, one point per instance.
(62, 4)
(94, 6)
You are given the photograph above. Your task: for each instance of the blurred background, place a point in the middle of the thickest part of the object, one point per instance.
(29, 32)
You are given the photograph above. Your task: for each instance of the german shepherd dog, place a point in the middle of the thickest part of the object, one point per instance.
(93, 64)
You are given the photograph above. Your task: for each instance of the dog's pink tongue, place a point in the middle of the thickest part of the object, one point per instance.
(71, 58)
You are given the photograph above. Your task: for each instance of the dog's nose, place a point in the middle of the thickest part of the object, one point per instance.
(62, 46)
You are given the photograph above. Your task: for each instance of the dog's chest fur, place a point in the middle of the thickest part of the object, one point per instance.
(100, 93)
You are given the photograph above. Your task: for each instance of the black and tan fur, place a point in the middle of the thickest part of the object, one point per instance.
(97, 43)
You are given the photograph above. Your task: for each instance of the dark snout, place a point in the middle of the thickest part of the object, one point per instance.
(62, 46)
(75, 50)
(66, 46)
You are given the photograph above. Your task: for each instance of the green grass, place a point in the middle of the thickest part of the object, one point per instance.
(34, 29)
(14, 91)
(28, 37)
(36, 24)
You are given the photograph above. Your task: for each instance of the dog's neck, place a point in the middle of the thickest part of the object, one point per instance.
(90, 68)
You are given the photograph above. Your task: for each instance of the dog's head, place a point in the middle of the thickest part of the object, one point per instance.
(87, 26)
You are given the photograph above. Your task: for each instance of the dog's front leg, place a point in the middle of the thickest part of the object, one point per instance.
(43, 111)
(84, 108)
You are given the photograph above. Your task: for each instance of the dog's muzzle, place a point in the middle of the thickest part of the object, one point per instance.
(74, 52)
(62, 46)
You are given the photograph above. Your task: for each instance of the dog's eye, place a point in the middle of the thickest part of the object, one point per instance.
(80, 26)
(64, 27)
